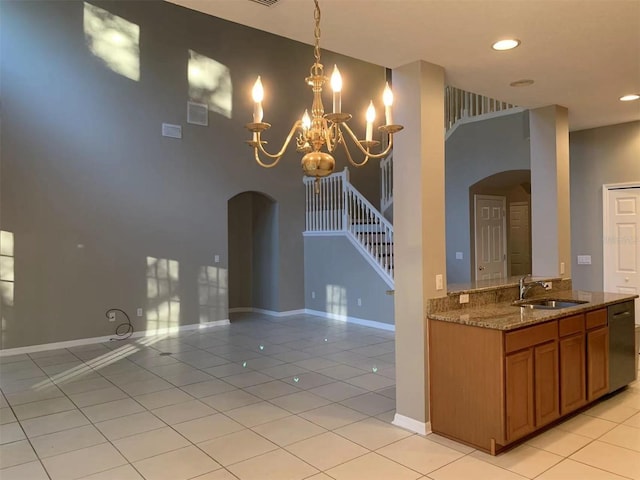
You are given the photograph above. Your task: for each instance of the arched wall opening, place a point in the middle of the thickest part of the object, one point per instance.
(515, 187)
(253, 252)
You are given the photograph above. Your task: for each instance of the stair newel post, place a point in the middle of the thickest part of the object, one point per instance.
(345, 211)
(306, 202)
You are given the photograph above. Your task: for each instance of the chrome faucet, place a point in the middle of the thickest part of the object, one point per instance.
(525, 287)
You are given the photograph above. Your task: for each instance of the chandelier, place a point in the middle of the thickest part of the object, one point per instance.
(320, 131)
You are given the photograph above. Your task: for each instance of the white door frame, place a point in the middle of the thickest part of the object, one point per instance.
(504, 230)
(606, 189)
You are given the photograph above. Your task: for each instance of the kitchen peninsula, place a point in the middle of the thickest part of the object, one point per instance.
(499, 372)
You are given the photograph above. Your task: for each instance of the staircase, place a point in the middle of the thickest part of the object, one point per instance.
(335, 207)
(463, 107)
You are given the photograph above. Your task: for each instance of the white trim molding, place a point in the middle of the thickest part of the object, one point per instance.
(317, 313)
(272, 313)
(357, 321)
(88, 341)
(606, 242)
(421, 428)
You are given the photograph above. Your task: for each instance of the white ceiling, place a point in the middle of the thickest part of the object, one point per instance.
(582, 54)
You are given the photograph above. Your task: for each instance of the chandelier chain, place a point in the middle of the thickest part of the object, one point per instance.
(316, 32)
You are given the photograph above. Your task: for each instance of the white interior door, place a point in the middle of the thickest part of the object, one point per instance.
(621, 241)
(519, 238)
(490, 230)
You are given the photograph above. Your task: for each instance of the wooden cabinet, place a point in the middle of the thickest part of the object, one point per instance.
(597, 362)
(597, 354)
(489, 388)
(531, 378)
(573, 380)
(573, 385)
(532, 389)
(519, 383)
(546, 385)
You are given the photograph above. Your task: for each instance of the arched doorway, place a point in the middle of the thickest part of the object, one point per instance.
(512, 189)
(253, 252)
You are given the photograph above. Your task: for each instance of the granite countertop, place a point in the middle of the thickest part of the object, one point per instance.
(506, 316)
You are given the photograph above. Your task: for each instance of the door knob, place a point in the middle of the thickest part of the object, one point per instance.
(626, 279)
(480, 268)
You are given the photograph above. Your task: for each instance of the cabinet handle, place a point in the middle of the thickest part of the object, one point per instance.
(622, 314)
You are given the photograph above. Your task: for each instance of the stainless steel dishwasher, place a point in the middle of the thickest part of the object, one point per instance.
(622, 354)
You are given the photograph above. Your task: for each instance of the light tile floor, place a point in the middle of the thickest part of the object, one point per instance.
(264, 398)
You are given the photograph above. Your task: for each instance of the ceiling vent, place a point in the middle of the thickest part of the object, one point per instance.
(266, 3)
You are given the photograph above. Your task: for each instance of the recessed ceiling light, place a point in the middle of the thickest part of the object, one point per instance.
(506, 44)
(522, 83)
(630, 97)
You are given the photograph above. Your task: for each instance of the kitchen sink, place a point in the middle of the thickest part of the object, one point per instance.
(549, 303)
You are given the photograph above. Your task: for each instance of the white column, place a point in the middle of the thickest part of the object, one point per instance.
(550, 214)
(419, 230)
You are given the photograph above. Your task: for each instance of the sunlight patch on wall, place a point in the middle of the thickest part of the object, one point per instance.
(337, 300)
(213, 290)
(210, 83)
(163, 294)
(7, 281)
(114, 40)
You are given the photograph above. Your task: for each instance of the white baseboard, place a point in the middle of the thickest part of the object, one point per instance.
(318, 313)
(271, 313)
(421, 428)
(88, 341)
(358, 321)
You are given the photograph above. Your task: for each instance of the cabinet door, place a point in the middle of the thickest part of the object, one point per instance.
(520, 399)
(573, 388)
(597, 362)
(547, 405)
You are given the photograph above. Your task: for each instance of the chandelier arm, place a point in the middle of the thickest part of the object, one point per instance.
(261, 163)
(277, 156)
(351, 161)
(365, 152)
(337, 137)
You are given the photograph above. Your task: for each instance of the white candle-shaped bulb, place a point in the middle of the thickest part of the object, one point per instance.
(306, 121)
(371, 116)
(387, 98)
(258, 95)
(336, 86)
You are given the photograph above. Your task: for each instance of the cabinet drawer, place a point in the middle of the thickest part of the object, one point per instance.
(527, 337)
(571, 325)
(596, 318)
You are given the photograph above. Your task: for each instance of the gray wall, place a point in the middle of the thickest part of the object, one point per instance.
(93, 194)
(598, 156)
(339, 275)
(265, 254)
(475, 151)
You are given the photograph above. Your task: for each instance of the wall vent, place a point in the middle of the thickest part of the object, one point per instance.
(172, 131)
(266, 3)
(197, 113)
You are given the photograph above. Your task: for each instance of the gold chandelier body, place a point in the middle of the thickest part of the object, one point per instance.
(321, 131)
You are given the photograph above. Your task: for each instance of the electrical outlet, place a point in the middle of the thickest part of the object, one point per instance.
(459, 256)
(359, 302)
(139, 312)
(439, 281)
(111, 316)
(216, 259)
(561, 268)
(313, 294)
(464, 298)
